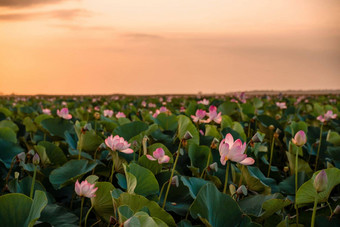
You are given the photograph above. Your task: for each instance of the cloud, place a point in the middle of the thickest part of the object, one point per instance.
(142, 36)
(78, 27)
(66, 14)
(25, 3)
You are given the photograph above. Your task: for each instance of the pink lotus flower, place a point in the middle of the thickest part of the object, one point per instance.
(46, 111)
(159, 155)
(151, 105)
(327, 116)
(200, 114)
(63, 113)
(204, 102)
(234, 151)
(182, 109)
(213, 115)
(85, 189)
(120, 114)
(300, 138)
(108, 113)
(96, 108)
(201, 132)
(163, 109)
(143, 103)
(233, 100)
(118, 143)
(281, 105)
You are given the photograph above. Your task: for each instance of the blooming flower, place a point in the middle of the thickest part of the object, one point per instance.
(143, 103)
(234, 151)
(204, 102)
(120, 114)
(327, 116)
(213, 115)
(321, 181)
(159, 155)
(63, 113)
(108, 113)
(85, 189)
(281, 105)
(163, 109)
(46, 111)
(118, 143)
(300, 138)
(96, 108)
(198, 117)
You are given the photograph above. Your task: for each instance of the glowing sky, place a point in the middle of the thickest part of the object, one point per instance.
(173, 46)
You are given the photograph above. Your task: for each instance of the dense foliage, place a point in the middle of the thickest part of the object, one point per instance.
(162, 161)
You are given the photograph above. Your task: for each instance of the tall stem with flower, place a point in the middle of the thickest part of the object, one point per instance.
(231, 150)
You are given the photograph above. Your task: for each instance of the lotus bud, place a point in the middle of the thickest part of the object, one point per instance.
(286, 169)
(242, 190)
(271, 127)
(213, 167)
(36, 159)
(321, 181)
(16, 175)
(337, 210)
(187, 135)
(300, 138)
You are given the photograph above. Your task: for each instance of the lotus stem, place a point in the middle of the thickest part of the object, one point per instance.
(314, 211)
(113, 166)
(160, 193)
(172, 174)
(207, 165)
(33, 181)
(226, 177)
(80, 144)
(241, 178)
(271, 155)
(81, 210)
(296, 182)
(87, 214)
(318, 152)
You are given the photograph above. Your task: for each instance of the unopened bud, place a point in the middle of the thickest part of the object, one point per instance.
(271, 127)
(187, 136)
(36, 159)
(300, 138)
(16, 175)
(321, 181)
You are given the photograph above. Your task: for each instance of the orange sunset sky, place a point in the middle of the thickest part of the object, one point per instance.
(173, 46)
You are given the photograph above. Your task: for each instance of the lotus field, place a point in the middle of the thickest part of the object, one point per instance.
(170, 160)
